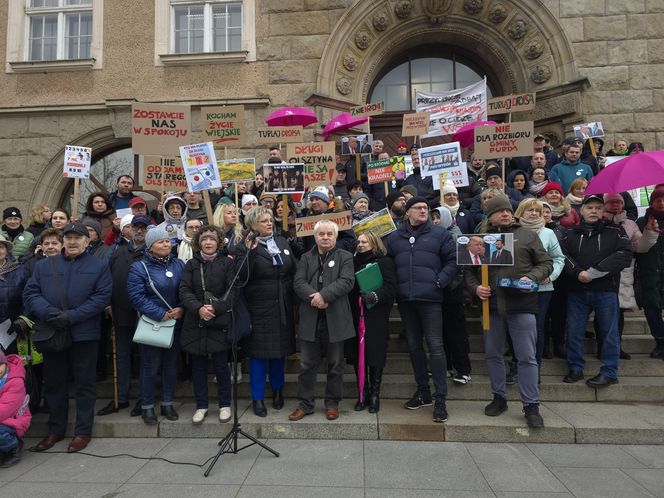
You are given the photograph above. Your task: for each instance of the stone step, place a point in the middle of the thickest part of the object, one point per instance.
(400, 386)
(565, 422)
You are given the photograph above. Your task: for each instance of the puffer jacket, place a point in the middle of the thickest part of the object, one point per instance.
(552, 246)
(530, 260)
(14, 411)
(425, 261)
(141, 295)
(22, 242)
(602, 246)
(650, 268)
(202, 337)
(86, 284)
(124, 314)
(11, 293)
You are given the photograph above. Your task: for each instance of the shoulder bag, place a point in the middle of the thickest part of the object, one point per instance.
(153, 332)
(46, 337)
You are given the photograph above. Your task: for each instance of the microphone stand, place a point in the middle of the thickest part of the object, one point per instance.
(229, 443)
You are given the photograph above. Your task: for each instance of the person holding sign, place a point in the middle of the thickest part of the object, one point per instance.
(513, 311)
(425, 257)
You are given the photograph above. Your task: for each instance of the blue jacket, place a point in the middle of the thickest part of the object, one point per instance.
(11, 293)
(424, 267)
(141, 295)
(568, 172)
(86, 285)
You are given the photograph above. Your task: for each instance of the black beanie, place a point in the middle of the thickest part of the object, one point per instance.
(415, 200)
(11, 212)
(392, 198)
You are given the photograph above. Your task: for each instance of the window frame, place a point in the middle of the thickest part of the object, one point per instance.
(18, 37)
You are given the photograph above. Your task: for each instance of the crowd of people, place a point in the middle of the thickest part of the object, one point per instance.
(83, 282)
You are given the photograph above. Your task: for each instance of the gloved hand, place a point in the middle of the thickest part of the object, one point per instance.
(59, 320)
(20, 328)
(370, 299)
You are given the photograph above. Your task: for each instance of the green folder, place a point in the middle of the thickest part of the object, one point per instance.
(369, 279)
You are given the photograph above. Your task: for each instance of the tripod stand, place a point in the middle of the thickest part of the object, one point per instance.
(229, 443)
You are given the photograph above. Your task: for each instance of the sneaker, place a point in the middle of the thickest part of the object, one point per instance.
(450, 374)
(199, 416)
(496, 407)
(440, 411)
(461, 379)
(239, 374)
(533, 417)
(419, 399)
(224, 414)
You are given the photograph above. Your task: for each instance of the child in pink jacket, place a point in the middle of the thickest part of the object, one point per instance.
(15, 415)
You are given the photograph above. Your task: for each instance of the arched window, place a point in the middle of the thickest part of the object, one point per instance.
(421, 71)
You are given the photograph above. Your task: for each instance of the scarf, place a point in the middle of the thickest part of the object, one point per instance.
(362, 259)
(574, 200)
(532, 225)
(7, 267)
(414, 230)
(208, 257)
(12, 233)
(360, 215)
(185, 251)
(618, 219)
(453, 209)
(272, 249)
(536, 188)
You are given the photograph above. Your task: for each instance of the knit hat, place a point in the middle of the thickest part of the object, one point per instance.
(136, 201)
(656, 194)
(609, 197)
(449, 188)
(154, 234)
(494, 170)
(357, 197)
(410, 189)
(569, 141)
(549, 187)
(11, 212)
(268, 195)
(94, 224)
(126, 220)
(415, 200)
(402, 145)
(246, 198)
(137, 220)
(320, 193)
(414, 146)
(7, 243)
(498, 203)
(392, 198)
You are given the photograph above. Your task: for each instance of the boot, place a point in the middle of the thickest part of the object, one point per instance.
(658, 352)
(375, 377)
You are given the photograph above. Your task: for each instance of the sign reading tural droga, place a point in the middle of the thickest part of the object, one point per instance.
(504, 140)
(159, 129)
(223, 125)
(367, 110)
(511, 103)
(279, 135)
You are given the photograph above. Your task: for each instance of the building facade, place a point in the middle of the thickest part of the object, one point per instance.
(72, 68)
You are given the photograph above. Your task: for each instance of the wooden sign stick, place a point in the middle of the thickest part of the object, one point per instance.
(284, 212)
(485, 302)
(237, 204)
(74, 204)
(208, 206)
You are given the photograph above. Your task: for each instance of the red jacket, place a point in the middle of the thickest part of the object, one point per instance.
(13, 413)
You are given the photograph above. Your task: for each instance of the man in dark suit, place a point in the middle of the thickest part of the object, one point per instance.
(474, 252)
(501, 256)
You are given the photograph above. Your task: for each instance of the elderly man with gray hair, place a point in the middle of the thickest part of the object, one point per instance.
(324, 278)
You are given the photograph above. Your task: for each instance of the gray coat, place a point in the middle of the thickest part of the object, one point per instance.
(338, 281)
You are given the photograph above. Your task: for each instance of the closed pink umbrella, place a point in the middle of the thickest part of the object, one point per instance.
(465, 134)
(291, 116)
(361, 331)
(637, 170)
(342, 122)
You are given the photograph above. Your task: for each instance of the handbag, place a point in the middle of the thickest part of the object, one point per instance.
(46, 337)
(152, 332)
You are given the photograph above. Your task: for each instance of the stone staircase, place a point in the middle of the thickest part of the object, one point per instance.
(629, 412)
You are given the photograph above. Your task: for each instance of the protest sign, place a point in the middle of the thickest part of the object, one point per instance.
(356, 144)
(440, 159)
(223, 125)
(77, 162)
(164, 173)
(159, 129)
(449, 111)
(458, 176)
(511, 103)
(398, 164)
(379, 171)
(589, 130)
(305, 226)
(504, 140)
(380, 224)
(318, 159)
(485, 249)
(367, 110)
(415, 124)
(200, 166)
(279, 134)
(237, 170)
(284, 178)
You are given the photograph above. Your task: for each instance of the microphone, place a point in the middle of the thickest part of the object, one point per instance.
(250, 235)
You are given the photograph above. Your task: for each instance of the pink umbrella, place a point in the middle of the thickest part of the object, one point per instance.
(342, 122)
(361, 331)
(637, 170)
(464, 135)
(291, 116)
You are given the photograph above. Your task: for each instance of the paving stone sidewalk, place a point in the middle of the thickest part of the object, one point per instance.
(345, 468)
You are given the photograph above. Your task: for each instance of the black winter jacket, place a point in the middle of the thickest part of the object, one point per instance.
(124, 315)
